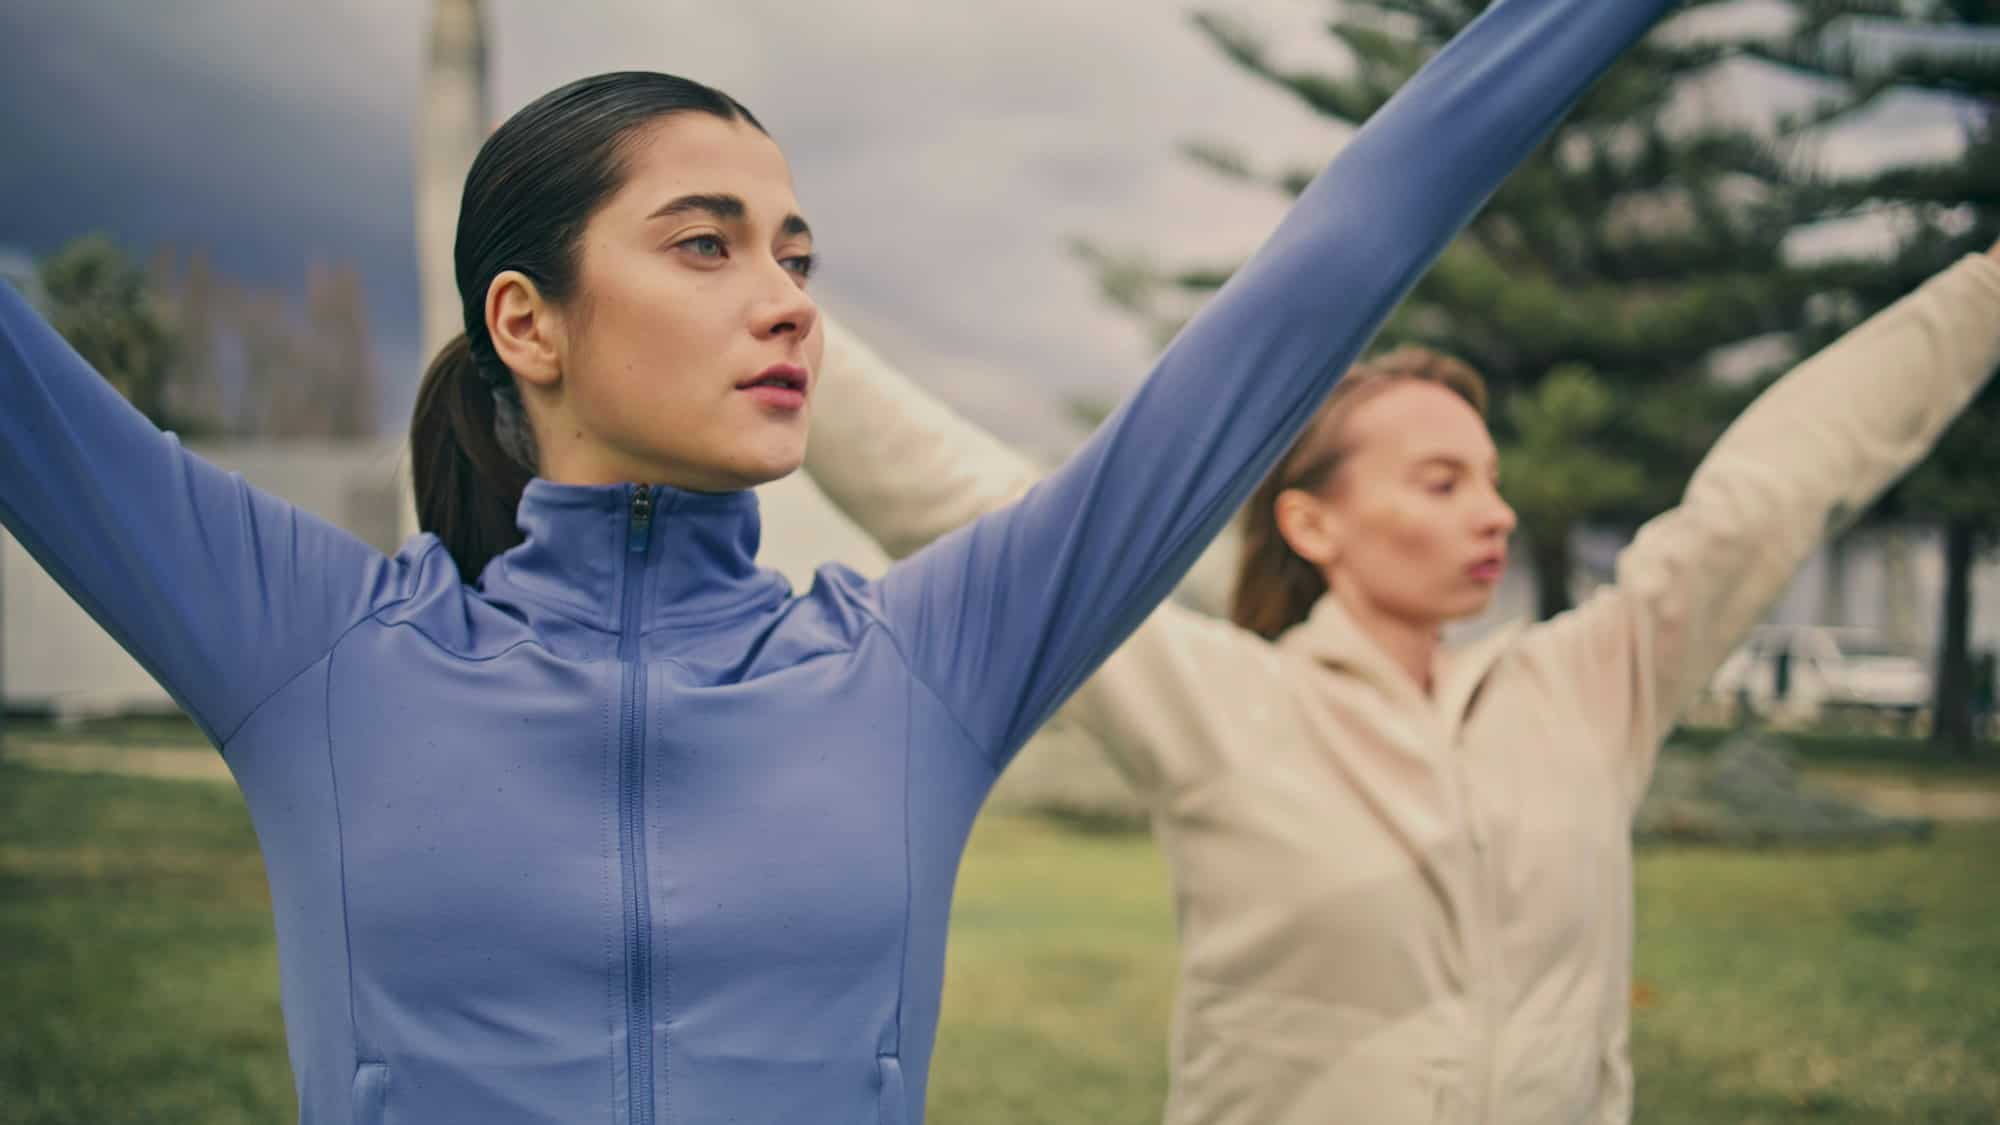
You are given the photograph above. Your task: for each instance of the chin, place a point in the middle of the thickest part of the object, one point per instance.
(763, 470)
(1470, 606)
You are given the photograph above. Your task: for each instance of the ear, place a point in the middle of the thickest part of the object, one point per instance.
(1309, 526)
(526, 329)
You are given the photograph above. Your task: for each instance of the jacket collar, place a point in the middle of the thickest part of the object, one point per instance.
(1330, 637)
(686, 558)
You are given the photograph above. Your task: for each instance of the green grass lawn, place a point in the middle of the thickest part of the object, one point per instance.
(1913, 759)
(168, 731)
(138, 982)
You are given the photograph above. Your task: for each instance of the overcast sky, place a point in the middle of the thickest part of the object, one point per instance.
(944, 151)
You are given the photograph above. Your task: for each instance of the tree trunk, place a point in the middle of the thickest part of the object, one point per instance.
(1549, 551)
(1951, 713)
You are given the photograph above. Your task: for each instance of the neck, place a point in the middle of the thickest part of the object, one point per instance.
(565, 456)
(1412, 645)
(596, 468)
(695, 559)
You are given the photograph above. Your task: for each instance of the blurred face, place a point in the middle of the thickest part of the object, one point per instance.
(688, 353)
(1411, 527)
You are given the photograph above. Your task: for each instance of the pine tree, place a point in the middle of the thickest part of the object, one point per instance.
(101, 302)
(1950, 207)
(1591, 291)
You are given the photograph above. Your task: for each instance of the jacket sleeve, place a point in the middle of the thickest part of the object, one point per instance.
(220, 591)
(1808, 456)
(903, 466)
(1005, 617)
(907, 469)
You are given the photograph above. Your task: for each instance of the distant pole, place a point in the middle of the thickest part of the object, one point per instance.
(453, 124)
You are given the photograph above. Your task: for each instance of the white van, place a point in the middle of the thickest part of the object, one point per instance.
(1799, 673)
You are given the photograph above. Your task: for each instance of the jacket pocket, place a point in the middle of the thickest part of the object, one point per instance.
(1245, 1057)
(1554, 1073)
(370, 1097)
(892, 1108)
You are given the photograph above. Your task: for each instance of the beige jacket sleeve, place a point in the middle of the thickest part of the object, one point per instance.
(1807, 457)
(907, 469)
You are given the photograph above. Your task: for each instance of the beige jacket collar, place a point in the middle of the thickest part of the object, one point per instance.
(1330, 636)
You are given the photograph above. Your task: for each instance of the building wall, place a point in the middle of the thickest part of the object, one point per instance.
(54, 659)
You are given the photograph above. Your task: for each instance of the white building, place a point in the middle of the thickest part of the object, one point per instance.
(55, 660)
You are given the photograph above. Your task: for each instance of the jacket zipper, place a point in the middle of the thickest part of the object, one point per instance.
(632, 817)
(1485, 944)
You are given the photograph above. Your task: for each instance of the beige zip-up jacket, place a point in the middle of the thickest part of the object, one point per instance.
(1395, 908)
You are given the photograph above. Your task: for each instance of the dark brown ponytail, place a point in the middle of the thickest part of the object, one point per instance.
(467, 484)
(531, 190)
(1275, 587)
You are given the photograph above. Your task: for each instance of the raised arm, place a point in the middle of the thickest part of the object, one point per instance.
(1809, 455)
(903, 466)
(1004, 618)
(222, 592)
(907, 469)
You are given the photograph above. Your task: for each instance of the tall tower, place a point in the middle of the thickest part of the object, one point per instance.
(449, 132)
(454, 123)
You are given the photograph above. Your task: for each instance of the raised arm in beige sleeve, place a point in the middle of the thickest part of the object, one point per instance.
(1806, 458)
(901, 464)
(907, 469)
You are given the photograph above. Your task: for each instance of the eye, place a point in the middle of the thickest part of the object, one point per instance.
(1442, 486)
(802, 265)
(704, 246)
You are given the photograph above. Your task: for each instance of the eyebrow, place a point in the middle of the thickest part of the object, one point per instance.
(725, 208)
(1450, 461)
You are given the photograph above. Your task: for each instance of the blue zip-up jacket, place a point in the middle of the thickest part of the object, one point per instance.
(629, 833)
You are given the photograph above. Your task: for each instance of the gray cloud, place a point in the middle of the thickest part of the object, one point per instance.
(946, 152)
(266, 140)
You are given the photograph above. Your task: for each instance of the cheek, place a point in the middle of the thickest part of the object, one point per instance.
(1396, 536)
(641, 347)
(1424, 556)
(1403, 558)
(642, 309)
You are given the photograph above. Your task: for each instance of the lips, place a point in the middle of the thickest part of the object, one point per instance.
(783, 375)
(1488, 569)
(781, 386)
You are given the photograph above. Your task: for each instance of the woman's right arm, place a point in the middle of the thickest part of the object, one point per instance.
(901, 464)
(1805, 459)
(222, 592)
(1006, 617)
(908, 469)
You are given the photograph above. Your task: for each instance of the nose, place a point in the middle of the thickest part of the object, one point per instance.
(1498, 518)
(783, 308)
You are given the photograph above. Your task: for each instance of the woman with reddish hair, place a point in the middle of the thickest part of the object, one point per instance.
(1402, 870)
(571, 812)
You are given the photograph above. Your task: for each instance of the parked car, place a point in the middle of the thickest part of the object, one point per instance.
(1799, 673)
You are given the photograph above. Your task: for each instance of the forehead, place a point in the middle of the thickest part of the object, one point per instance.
(699, 153)
(1415, 421)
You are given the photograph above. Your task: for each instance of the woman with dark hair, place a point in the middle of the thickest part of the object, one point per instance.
(1402, 871)
(623, 830)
